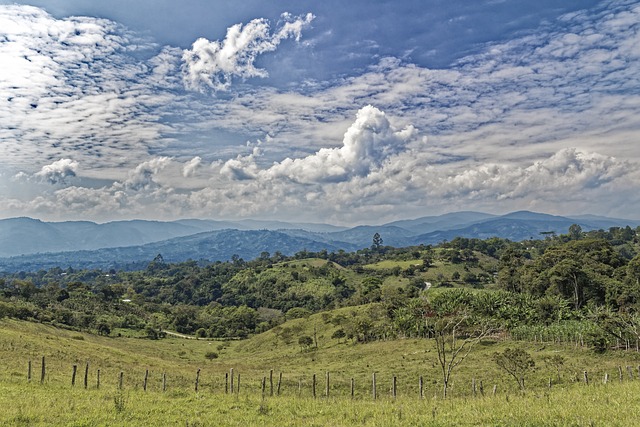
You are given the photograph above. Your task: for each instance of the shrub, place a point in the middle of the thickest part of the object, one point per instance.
(211, 355)
(339, 334)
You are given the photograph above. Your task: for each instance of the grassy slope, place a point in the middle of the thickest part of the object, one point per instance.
(57, 403)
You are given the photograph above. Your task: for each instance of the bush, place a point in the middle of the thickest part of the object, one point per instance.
(305, 342)
(297, 313)
(339, 334)
(211, 355)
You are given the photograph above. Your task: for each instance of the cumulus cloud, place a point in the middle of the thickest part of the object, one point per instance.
(368, 143)
(569, 171)
(58, 172)
(191, 167)
(142, 176)
(214, 64)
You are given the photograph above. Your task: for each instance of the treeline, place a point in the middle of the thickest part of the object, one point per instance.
(589, 277)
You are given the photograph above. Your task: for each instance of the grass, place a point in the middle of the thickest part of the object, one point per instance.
(56, 402)
(35, 405)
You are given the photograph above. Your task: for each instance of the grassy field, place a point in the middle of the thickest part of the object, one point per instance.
(57, 402)
(616, 404)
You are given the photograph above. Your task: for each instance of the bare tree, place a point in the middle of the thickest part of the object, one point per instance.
(455, 336)
(516, 362)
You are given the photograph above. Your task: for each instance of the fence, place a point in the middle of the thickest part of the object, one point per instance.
(311, 385)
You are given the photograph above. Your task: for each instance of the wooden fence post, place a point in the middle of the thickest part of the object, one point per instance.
(86, 375)
(495, 388)
(264, 386)
(353, 388)
(326, 389)
(279, 384)
(73, 376)
(394, 387)
(270, 382)
(630, 372)
(164, 381)
(120, 383)
(43, 371)
(373, 386)
(313, 386)
(226, 383)
(606, 378)
(29, 372)
(98, 380)
(586, 378)
(231, 380)
(146, 378)
(620, 373)
(481, 389)
(197, 379)
(473, 386)
(238, 384)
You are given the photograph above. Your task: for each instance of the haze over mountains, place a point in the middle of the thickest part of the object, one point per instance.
(31, 244)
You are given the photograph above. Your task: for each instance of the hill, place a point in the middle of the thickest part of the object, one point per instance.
(129, 244)
(150, 365)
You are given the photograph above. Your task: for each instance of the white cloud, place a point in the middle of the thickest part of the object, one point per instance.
(58, 172)
(73, 88)
(367, 144)
(142, 177)
(214, 64)
(547, 120)
(191, 167)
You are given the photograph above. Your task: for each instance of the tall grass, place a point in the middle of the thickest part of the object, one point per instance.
(56, 402)
(580, 405)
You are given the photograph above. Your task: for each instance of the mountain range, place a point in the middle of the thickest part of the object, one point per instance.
(29, 244)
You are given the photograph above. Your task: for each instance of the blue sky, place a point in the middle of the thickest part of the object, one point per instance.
(318, 111)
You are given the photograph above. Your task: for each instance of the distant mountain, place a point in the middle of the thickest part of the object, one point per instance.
(515, 226)
(248, 224)
(210, 246)
(601, 222)
(23, 236)
(448, 221)
(30, 244)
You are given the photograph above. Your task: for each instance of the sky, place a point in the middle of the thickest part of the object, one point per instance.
(332, 112)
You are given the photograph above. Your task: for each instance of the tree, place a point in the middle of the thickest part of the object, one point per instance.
(575, 232)
(516, 362)
(556, 362)
(455, 335)
(509, 268)
(569, 280)
(377, 242)
(103, 328)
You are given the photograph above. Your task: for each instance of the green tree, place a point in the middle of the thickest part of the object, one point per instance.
(569, 280)
(575, 232)
(377, 242)
(509, 269)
